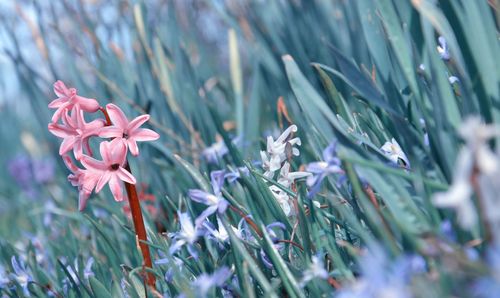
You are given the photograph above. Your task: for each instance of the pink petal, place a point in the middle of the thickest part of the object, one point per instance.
(70, 164)
(87, 147)
(103, 180)
(59, 111)
(78, 148)
(60, 130)
(67, 145)
(60, 89)
(105, 150)
(138, 121)
(144, 134)
(89, 180)
(116, 188)
(118, 151)
(132, 146)
(117, 116)
(93, 164)
(83, 196)
(96, 124)
(92, 128)
(68, 119)
(56, 103)
(87, 104)
(111, 132)
(125, 175)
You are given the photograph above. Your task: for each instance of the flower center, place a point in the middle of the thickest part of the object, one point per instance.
(212, 199)
(115, 166)
(125, 135)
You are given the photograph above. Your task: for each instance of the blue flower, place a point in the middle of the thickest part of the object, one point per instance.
(277, 245)
(489, 286)
(3, 277)
(188, 235)
(382, 277)
(87, 272)
(215, 201)
(331, 164)
(204, 282)
(232, 176)
(216, 151)
(173, 264)
(21, 274)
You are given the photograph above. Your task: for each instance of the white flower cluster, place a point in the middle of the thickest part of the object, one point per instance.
(274, 159)
(477, 170)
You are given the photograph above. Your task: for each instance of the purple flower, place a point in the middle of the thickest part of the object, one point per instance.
(204, 282)
(188, 235)
(20, 169)
(173, 265)
(215, 152)
(215, 201)
(232, 176)
(320, 169)
(43, 170)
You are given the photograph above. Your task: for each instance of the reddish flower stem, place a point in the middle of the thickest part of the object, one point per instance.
(292, 243)
(247, 219)
(137, 218)
(140, 229)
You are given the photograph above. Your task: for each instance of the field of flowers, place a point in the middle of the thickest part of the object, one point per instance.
(302, 148)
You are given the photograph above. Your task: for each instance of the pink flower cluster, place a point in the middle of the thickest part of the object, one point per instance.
(68, 123)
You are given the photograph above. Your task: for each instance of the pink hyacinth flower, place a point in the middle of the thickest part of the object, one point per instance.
(67, 99)
(110, 170)
(83, 179)
(75, 132)
(128, 132)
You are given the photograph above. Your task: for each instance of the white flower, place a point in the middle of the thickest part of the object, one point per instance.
(426, 135)
(476, 153)
(394, 152)
(315, 270)
(443, 50)
(458, 198)
(221, 233)
(287, 178)
(453, 79)
(283, 199)
(270, 165)
(476, 135)
(276, 151)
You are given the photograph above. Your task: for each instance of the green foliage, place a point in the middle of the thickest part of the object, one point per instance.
(347, 70)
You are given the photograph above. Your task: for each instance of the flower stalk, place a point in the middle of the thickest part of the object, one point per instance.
(140, 229)
(137, 219)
